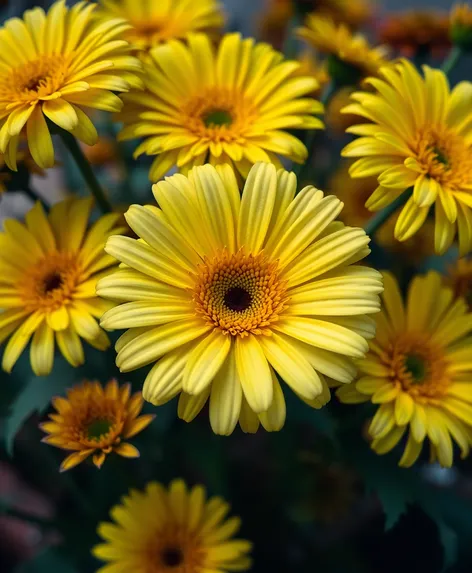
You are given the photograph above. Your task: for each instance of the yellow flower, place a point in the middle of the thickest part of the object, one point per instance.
(224, 290)
(50, 267)
(459, 278)
(461, 26)
(52, 66)
(175, 529)
(154, 22)
(93, 420)
(351, 57)
(418, 136)
(231, 105)
(419, 371)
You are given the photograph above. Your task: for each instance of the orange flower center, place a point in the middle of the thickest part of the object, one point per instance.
(444, 156)
(174, 550)
(219, 115)
(240, 293)
(51, 283)
(418, 366)
(34, 80)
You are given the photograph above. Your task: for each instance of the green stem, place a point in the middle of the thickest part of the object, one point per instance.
(9, 511)
(452, 60)
(87, 172)
(35, 197)
(375, 222)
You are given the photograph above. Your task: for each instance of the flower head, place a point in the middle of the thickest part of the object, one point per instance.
(461, 26)
(50, 267)
(52, 67)
(419, 370)
(231, 105)
(176, 529)
(416, 32)
(154, 22)
(93, 420)
(224, 291)
(418, 135)
(350, 57)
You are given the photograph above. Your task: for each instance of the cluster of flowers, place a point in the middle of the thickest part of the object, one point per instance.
(235, 281)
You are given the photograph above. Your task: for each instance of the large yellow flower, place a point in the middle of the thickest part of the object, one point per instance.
(153, 22)
(223, 291)
(419, 370)
(349, 54)
(418, 135)
(231, 105)
(54, 65)
(93, 421)
(49, 269)
(176, 530)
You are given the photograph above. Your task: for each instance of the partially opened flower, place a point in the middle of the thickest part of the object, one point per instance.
(94, 420)
(50, 267)
(417, 135)
(223, 291)
(173, 529)
(54, 67)
(154, 22)
(418, 371)
(230, 105)
(461, 26)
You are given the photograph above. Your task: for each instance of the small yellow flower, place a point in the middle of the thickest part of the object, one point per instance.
(55, 66)
(459, 278)
(419, 371)
(350, 56)
(177, 529)
(222, 291)
(230, 105)
(461, 26)
(153, 22)
(93, 420)
(421, 141)
(50, 267)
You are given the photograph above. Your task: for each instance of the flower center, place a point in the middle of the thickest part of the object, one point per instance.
(445, 156)
(240, 293)
(417, 368)
(98, 428)
(217, 117)
(172, 556)
(51, 282)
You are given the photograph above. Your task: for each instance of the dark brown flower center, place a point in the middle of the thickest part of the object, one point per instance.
(52, 282)
(172, 556)
(237, 299)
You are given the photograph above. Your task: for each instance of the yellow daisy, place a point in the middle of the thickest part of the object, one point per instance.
(418, 135)
(350, 56)
(49, 269)
(460, 279)
(223, 291)
(176, 529)
(229, 105)
(419, 370)
(154, 22)
(93, 420)
(54, 65)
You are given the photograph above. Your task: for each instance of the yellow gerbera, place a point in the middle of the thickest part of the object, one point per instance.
(419, 371)
(350, 55)
(49, 269)
(231, 105)
(418, 135)
(52, 66)
(175, 529)
(93, 420)
(155, 22)
(460, 279)
(224, 290)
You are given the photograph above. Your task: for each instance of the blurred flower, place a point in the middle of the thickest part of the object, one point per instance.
(57, 64)
(311, 66)
(460, 279)
(350, 56)
(418, 135)
(461, 26)
(354, 193)
(230, 106)
(175, 529)
(154, 22)
(49, 270)
(224, 291)
(334, 118)
(416, 31)
(103, 152)
(93, 420)
(418, 370)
